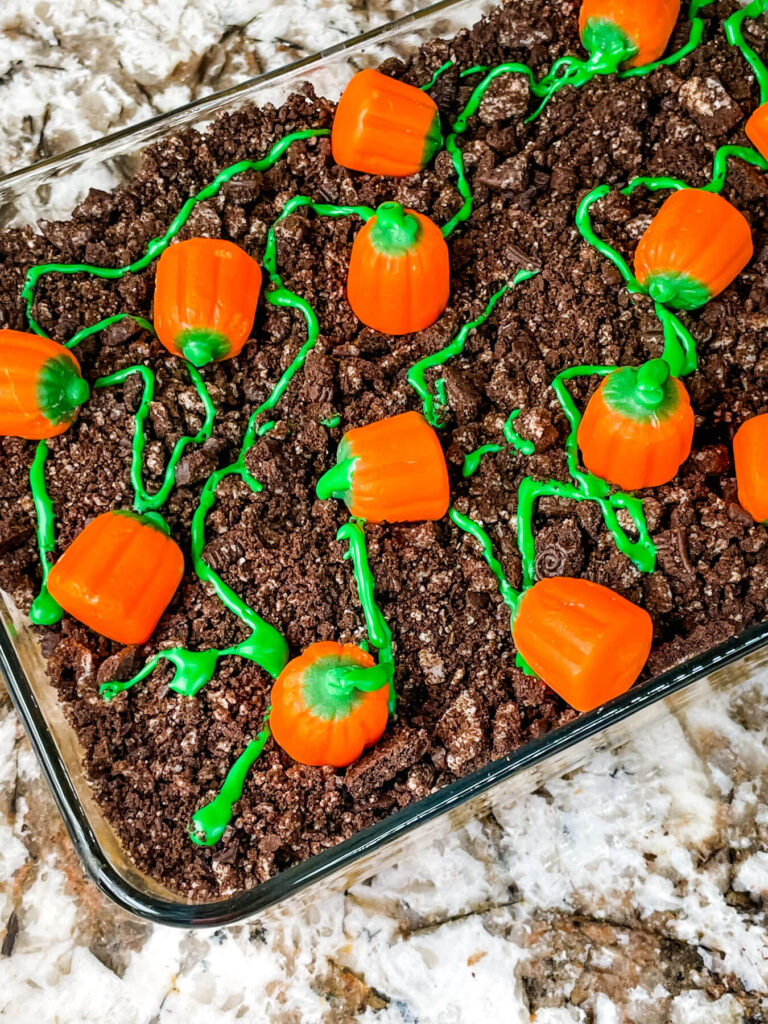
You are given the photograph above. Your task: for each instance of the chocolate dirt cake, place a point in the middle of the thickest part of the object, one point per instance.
(349, 448)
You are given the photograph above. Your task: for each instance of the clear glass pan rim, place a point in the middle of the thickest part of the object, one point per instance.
(185, 914)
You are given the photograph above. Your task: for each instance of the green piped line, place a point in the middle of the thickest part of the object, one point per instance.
(653, 184)
(143, 501)
(509, 594)
(44, 610)
(86, 332)
(733, 33)
(585, 480)
(331, 421)
(720, 164)
(473, 459)
(522, 444)
(379, 633)
(209, 823)
(719, 172)
(642, 552)
(584, 225)
(440, 71)
(417, 373)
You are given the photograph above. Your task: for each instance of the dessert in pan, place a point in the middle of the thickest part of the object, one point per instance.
(350, 447)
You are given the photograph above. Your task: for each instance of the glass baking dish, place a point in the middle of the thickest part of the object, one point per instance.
(49, 190)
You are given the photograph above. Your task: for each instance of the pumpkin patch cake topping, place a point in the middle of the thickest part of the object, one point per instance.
(349, 447)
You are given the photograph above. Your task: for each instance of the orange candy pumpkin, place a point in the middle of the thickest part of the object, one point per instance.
(320, 716)
(383, 126)
(693, 248)
(756, 129)
(637, 428)
(750, 456)
(118, 575)
(40, 386)
(206, 292)
(585, 641)
(399, 276)
(615, 26)
(391, 471)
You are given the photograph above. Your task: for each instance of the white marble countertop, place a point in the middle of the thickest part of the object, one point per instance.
(633, 890)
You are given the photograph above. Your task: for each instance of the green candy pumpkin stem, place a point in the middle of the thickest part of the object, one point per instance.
(60, 389)
(649, 388)
(201, 347)
(337, 481)
(394, 231)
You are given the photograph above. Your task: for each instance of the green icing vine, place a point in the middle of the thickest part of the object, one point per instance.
(379, 633)
(417, 373)
(143, 501)
(472, 459)
(509, 594)
(210, 821)
(735, 36)
(719, 172)
(44, 611)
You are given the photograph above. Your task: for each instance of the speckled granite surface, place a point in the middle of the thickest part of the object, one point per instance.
(633, 890)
